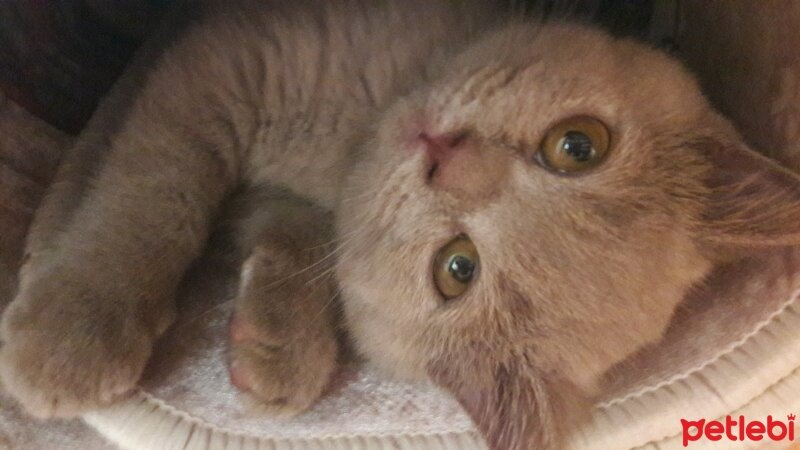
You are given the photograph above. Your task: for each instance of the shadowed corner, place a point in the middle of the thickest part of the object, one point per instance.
(57, 59)
(8, 284)
(29, 153)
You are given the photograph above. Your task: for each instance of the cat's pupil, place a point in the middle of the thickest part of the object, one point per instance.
(462, 268)
(578, 146)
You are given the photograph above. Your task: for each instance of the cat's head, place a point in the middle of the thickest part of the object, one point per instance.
(534, 215)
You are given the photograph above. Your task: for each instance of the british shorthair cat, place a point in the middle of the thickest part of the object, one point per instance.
(517, 206)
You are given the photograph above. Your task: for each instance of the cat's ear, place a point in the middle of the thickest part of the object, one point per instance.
(752, 200)
(512, 407)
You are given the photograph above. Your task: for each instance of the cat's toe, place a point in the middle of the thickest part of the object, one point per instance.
(68, 368)
(241, 331)
(49, 386)
(284, 378)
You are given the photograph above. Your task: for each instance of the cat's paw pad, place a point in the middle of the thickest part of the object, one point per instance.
(284, 376)
(67, 369)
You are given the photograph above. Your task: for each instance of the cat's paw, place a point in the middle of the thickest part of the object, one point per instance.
(285, 375)
(61, 358)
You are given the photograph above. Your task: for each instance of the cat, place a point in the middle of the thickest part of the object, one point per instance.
(517, 207)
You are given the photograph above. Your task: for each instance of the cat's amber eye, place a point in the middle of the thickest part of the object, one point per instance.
(456, 267)
(575, 144)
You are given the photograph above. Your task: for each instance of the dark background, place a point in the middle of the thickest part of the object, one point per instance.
(58, 57)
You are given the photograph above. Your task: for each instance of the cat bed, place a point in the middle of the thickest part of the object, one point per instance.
(745, 362)
(733, 348)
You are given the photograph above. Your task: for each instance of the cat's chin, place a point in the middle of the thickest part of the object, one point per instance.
(386, 345)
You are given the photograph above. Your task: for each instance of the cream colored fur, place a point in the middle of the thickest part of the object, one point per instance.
(329, 100)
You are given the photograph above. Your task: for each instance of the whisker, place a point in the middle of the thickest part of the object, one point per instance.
(196, 317)
(320, 261)
(358, 196)
(328, 271)
(335, 239)
(325, 306)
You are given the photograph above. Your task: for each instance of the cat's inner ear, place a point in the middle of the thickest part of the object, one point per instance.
(513, 408)
(753, 201)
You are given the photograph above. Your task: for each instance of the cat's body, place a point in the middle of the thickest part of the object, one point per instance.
(418, 124)
(251, 93)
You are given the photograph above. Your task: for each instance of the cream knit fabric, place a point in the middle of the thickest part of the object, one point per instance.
(748, 362)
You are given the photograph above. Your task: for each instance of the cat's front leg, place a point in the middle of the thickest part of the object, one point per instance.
(99, 289)
(283, 346)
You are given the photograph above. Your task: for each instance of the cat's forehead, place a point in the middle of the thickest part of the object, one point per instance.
(564, 53)
(523, 77)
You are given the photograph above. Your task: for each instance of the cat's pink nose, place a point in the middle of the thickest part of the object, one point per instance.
(441, 147)
(463, 166)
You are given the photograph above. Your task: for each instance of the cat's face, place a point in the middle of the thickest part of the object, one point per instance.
(569, 259)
